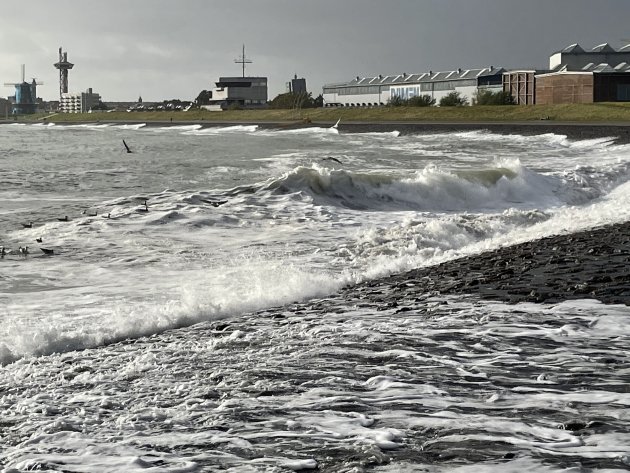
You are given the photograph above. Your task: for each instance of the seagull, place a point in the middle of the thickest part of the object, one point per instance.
(65, 219)
(127, 147)
(145, 209)
(218, 202)
(28, 225)
(331, 158)
(48, 251)
(2, 252)
(38, 240)
(23, 250)
(107, 216)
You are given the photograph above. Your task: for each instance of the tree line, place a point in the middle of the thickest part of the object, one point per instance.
(455, 99)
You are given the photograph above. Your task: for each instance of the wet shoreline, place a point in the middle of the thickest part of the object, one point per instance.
(590, 264)
(573, 130)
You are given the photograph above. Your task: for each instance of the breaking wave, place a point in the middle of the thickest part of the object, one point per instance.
(507, 185)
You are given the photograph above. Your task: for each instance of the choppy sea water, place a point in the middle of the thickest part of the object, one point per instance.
(172, 339)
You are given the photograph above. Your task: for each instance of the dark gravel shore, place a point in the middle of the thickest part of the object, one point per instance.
(592, 264)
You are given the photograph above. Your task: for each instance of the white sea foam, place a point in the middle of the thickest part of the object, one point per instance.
(178, 128)
(216, 130)
(135, 126)
(433, 189)
(231, 217)
(311, 130)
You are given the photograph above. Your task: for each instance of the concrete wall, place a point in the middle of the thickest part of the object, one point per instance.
(576, 87)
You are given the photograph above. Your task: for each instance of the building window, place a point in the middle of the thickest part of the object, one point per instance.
(623, 92)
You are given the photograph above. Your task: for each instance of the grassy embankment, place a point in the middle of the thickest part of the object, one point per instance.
(597, 112)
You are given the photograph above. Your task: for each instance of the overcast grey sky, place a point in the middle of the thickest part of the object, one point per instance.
(163, 49)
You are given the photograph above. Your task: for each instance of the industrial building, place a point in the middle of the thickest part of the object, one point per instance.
(238, 92)
(575, 58)
(575, 75)
(376, 91)
(78, 102)
(5, 108)
(297, 86)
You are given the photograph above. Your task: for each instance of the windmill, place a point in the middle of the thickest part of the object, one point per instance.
(25, 94)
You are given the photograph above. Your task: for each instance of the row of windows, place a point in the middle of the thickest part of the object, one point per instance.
(371, 89)
(364, 104)
(403, 92)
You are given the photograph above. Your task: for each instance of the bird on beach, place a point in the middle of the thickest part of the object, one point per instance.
(126, 147)
(64, 219)
(38, 240)
(3, 251)
(23, 251)
(28, 225)
(107, 216)
(48, 251)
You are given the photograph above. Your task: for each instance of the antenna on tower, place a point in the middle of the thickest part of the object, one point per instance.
(243, 60)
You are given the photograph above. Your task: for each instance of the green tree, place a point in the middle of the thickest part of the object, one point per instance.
(318, 101)
(204, 97)
(417, 101)
(487, 97)
(292, 100)
(453, 99)
(396, 101)
(101, 106)
(421, 101)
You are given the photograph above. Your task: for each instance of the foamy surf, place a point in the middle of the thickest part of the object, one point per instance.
(254, 198)
(216, 130)
(213, 304)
